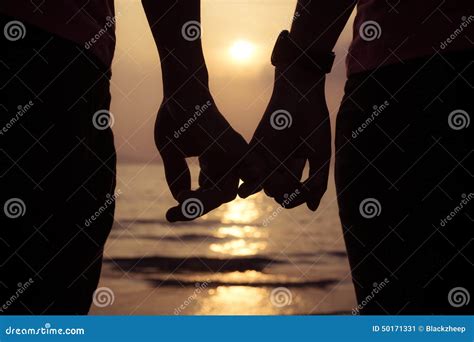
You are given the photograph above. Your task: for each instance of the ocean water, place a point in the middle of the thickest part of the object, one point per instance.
(247, 257)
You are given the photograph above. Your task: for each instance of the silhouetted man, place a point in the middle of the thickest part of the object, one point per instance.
(404, 145)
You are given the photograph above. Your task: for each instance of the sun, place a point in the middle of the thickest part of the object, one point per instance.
(241, 51)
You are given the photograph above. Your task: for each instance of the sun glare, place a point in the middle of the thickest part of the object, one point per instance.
(241, 51)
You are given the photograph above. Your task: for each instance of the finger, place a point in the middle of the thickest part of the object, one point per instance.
(285, 182)
(295, 166)
(177, 172)
(251, 171)
(218, 185)
(316, 184)
(249, 188)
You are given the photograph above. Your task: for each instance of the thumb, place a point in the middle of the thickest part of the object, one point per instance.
(316, 184)
(251, 171)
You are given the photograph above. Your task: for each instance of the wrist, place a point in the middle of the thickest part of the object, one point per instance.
(182, 64)
(177, 82)
(179, 75)
(295, 78)
(289, 53)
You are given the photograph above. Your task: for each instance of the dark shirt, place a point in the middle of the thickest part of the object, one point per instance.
(390, 32)
(88, 23)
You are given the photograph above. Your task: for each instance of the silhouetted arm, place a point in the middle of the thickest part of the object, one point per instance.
(295, 127)
(175, 25)
(189, 123)
(319, 23)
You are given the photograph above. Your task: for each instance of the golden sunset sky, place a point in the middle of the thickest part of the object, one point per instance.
(238, 37)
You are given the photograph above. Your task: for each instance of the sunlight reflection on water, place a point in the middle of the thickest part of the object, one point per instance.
(237, 300)
(242, 232)
(240, 211)
(238, 247)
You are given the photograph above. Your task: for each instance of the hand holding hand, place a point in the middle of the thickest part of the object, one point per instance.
(190, 125)
(294, 128)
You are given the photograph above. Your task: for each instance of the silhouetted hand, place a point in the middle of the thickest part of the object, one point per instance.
(192, 126)
(294, 128)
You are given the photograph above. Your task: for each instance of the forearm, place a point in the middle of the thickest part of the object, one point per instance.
(177, 34)
(318, 23)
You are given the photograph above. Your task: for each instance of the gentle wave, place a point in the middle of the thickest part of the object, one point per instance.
(183, 238)
(163, 222)
(196, 264)
(324, 283)
(338, 254)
